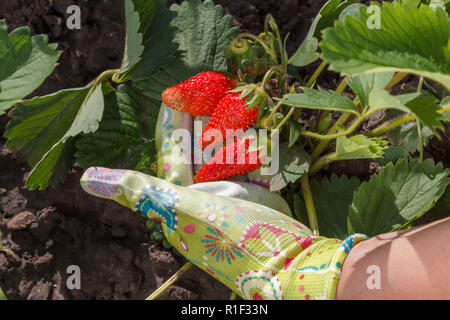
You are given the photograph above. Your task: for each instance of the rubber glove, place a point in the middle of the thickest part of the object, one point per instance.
(255, 250)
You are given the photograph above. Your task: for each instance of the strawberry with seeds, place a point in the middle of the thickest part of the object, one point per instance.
(200, 94)
(222, 166)
(230, 114)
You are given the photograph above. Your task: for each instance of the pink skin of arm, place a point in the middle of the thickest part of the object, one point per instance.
(413, 264)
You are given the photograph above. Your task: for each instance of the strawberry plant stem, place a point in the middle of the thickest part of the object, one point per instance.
(274, 110)
(310, 84)
(285, 119)
(420, 138)
(396, 79)
(102, 77)
(233, 296)
(419, 127)
(311, 210)
(324, 143)
(336, 135)
(268, 76)
(322, 162)
(288, 116)
(169, 282)
(387, 126)
(316, 74)
(341, 87)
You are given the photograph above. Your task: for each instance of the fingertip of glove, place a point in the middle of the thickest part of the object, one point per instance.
(101, 182)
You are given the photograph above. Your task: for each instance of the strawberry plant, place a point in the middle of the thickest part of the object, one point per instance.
(192, 60)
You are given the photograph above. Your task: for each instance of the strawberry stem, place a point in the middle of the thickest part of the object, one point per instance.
(324, 143)
(419, 127)
(337, 135)
(396, 79)
(316, 74)
(322, 162)
(310, 84)
(170, 282)
(309, 202)
(268, 76)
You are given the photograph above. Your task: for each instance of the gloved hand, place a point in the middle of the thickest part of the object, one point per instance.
(255, 250)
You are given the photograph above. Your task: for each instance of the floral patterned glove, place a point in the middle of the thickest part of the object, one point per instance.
(253, 248)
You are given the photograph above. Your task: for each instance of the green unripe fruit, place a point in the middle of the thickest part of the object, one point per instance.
(239, 47)
(267, 37)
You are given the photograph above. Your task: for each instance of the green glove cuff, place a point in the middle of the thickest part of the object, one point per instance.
(255, 250)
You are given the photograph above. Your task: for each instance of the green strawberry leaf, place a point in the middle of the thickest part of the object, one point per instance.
(424, 107)
(393, 154)
(173, 73)
(320, 100)
(442, 208)
(410, 39)
(352, 10)
(42, 128)
(295, 130)
(329, 13)
(25, 63)
(363, 84)
(332, 199)
(147, 10)
(125, 138)
(38, 124)
(359, 147)
(54, 167)
(396, 196)
(204, 33)
(133, 38)
(294, 162)
(407, 137)
(158, 34)
(308, 51)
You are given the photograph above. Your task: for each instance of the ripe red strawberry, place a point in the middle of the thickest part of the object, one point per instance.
(200, 94)
(242, 161)
(230, 114)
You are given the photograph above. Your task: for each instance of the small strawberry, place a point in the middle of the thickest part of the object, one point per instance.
(200, 94)
(242, 161)
(230, 114)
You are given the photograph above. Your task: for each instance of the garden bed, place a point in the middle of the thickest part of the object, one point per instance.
(44, 232)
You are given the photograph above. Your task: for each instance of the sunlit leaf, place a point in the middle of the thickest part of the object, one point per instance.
(397, 195)
(24, 63)
(359, 147)
(410, 39)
